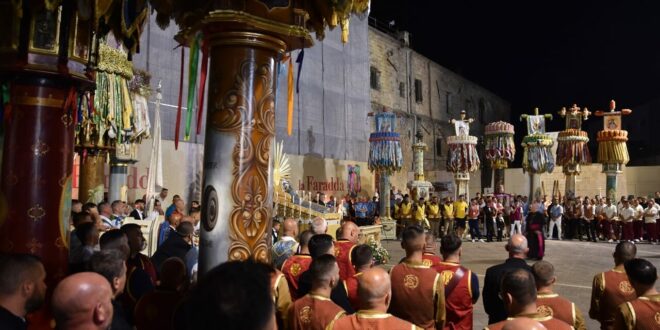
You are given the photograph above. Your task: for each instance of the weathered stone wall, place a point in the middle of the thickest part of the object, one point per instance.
(443, 95)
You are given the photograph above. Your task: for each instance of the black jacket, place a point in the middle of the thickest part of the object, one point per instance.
(493, 305)
(173, 246)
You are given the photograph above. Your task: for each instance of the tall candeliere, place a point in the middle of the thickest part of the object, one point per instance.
(537, 158)
(462, 158)
(572, 148)
(612, 148)
(385, 158)
(243, 42)
(500, 150)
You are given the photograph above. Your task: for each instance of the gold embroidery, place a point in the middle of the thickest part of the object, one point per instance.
(36, 212)
(39, 148)
(446, 276)
(427, 262)
(337, 252)
(411, 281)
(295, 269)
(305, 315)
(657, 317)
(625, 287)
(545, 310)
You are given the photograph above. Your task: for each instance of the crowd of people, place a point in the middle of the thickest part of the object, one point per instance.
(318, 282)
(632, 218)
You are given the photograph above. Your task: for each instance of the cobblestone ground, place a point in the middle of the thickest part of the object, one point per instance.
(575, 262)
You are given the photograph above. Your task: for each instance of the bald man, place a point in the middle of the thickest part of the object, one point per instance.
(612, 288)
(493, 304)
(375, 293)
(83, 301)
(523, 323)
(418, 294)
(343, 248)
(286, 245)
(518, 292)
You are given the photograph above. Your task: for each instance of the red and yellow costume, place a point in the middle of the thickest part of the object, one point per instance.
(560, 308)
(418, 295)
(610, 289)
(292, 268)
(281, 297)
(351, 285)
(368, 319)
(343, 249)
(641, 313)
(459, 302)
(313, 312)
(431, 259)
(548, 321)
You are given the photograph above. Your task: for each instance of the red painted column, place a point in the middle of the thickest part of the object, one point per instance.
(36, 177)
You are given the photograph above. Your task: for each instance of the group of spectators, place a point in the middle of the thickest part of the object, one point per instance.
(632, 218)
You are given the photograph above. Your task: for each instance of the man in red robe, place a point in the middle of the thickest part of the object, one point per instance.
(362, 258)
(316, 310)
(297, 263)
(345, 243)
(461, 284)
(375, 294)
(417, 290)
(612, 288)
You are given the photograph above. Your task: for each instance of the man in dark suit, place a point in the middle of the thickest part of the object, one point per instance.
(176, 245)
(138, 211)
(493, 304)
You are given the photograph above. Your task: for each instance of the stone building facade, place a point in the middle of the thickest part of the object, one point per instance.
(426, 96)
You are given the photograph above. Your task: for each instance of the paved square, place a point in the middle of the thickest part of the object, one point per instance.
(575, 264)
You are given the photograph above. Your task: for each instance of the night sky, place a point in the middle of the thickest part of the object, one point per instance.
(546, 54)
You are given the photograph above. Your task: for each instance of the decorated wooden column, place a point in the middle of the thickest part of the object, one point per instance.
(612, 149)
(462, 157)
(572, 148)
(385, 158)
(537, 158)
(47, 55)
(500, 150)
(245, 39)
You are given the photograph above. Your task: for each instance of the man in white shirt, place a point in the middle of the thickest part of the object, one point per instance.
(626, 216)
(105, 212)
(638, 220)
(610, 226)
(650, 221)
(555, 212)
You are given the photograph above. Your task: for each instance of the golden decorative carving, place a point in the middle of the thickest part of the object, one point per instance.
(67, 120)
(36, 212)
(251, 211)
(36, 101)
(39, 148)
(34, 246)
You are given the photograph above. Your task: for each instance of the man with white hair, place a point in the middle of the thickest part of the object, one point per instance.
(493, 304)
(319, 226)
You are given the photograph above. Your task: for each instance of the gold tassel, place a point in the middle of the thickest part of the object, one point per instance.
(344, 30)
(289, 113)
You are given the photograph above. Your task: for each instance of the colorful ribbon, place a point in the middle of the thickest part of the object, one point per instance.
(178, 111)
(192, 83)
